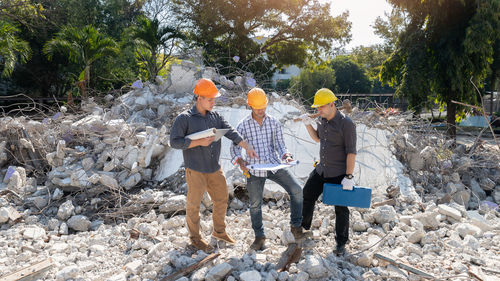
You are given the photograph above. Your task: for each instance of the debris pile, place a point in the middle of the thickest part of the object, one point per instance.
(101, 195)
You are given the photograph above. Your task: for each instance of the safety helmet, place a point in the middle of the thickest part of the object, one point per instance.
(257, 98)
(323, 96)
(206, 88)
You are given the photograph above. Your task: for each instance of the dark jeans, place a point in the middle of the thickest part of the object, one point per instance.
(255, 187)
(312, 191)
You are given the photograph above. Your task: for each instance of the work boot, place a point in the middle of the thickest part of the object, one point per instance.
(201, 244)
(297, 232)
(224, 237)
(258, 243)
(340, 251)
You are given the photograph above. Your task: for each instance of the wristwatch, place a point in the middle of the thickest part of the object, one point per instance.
(349, 176)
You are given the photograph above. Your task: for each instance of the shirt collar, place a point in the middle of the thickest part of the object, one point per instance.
(250, 118)
(336, 119)
(194, 111)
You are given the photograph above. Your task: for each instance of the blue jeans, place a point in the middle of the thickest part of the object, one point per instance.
(255, 187)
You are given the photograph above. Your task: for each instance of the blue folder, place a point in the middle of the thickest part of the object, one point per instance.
(360, 197)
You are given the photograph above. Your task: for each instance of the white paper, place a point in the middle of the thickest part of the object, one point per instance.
(202, 134)
(271, 167)
(218, 133)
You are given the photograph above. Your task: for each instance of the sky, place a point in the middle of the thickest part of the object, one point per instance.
(362, 14)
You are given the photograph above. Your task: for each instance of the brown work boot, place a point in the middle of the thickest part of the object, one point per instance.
(258, 243)
(201, 244)
(224, 237)
(297, 232)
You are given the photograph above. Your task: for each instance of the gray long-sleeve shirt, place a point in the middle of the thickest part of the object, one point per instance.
(204, 159)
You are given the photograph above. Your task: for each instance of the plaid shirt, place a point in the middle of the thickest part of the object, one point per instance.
(267, 140)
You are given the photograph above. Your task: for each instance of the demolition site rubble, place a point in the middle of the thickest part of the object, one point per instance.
(99, 195)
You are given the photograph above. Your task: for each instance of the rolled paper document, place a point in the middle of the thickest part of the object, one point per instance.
(218, 133)
(202, 134)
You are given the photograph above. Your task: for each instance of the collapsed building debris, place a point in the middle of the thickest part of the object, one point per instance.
(102, 195)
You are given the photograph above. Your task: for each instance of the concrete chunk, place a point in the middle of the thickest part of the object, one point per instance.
(449, 211)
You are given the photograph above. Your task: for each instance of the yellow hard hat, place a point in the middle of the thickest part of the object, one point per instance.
(206, 88)
(257, 98)
(323, 96)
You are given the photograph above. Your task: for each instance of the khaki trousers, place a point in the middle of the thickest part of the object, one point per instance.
(215, 185)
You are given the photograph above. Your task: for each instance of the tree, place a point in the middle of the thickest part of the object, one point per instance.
(82, 46)
(371, 57)
(312, 78)
(350, 76)
(23, 12)
(494, 72)
(293, 30)
(155, 44)
(443, 52)
(12, 48)
(391, 28)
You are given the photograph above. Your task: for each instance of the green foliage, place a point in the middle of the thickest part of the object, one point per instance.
(391, 27)
(294, 30)
(282, 85)
(81, 46)
(371, 57)
(313, 77)
(12, 48)
(443, 52)
(350, 76)
(154, 44)
(23, 12)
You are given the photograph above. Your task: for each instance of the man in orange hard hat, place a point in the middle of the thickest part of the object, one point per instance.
(336, 134)
(201, 160)
(264, 133)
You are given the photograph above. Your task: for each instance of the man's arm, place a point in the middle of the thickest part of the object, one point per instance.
(350, 162)
(235, 149)
(202, 142)
(249, 148)
(178, 133)
(279, 141)
(313, 133)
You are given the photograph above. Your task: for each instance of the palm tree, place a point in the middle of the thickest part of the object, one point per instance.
(154, 44)
(82, 46)
(12, 48)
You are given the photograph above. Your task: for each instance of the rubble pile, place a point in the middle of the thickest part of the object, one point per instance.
(99, 197)
(444, 172)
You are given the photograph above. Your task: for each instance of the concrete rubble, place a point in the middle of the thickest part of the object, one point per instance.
(102, 194)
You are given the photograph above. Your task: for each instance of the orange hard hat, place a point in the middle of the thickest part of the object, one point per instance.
(257, 98)
(206, 88)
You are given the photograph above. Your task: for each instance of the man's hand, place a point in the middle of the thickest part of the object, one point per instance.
(206, 141)
(250, 151)
(306, 119)
(288, 158)
(347, 184)
(243, 164)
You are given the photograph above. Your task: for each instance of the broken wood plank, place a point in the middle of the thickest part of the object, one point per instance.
(190, 268)
(391, 202)
(28, 272)
(290, 255)
(393, 191)
(404, 266)
(490, 270)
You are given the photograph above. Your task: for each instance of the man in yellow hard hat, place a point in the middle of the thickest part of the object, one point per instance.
(336, 134)
(265, 134)
(201, 160)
